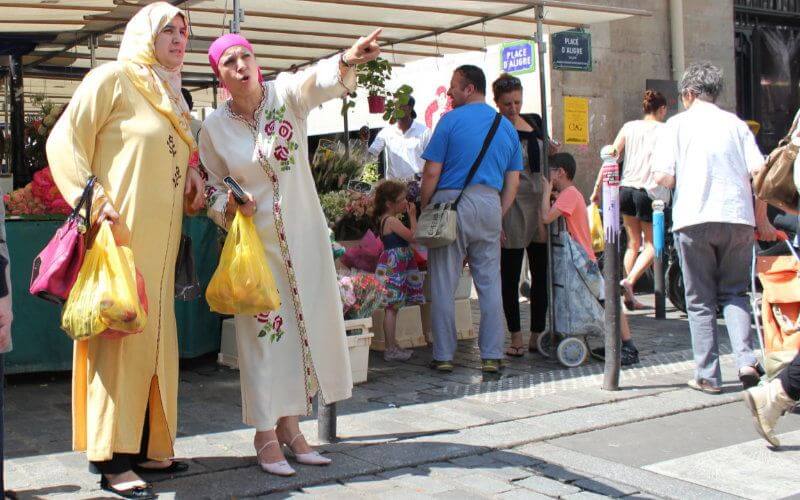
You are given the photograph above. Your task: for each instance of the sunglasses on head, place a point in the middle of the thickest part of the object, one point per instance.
(507, 83)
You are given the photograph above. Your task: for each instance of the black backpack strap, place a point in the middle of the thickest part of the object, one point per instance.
(479, 159)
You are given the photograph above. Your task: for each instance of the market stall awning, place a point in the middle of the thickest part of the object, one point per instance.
(286, 34)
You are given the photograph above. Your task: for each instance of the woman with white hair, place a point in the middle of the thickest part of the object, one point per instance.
(128, 125)
(709, 156)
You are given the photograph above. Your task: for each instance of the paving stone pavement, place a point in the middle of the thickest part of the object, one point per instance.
(407, 432)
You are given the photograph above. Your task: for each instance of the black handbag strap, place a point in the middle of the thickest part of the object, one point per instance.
(85, 201)
(479, 159)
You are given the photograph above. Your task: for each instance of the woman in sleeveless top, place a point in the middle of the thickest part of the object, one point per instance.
(637, 140)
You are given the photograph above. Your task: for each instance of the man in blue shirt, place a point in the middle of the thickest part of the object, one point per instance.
(453, 148)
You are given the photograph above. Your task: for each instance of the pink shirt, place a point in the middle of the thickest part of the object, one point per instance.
(572, 205)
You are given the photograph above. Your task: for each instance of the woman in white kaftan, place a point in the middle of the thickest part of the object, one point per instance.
(259, 138)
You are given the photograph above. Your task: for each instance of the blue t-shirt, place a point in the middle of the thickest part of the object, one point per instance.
(457, 140)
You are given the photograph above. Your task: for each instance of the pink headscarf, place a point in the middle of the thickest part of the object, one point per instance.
(222, 44)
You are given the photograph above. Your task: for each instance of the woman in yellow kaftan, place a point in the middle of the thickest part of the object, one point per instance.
(128, 124)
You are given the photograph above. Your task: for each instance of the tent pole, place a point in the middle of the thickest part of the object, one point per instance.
(541, 49)
(237, 17)
(17, 104)
(92, 49)
(214, 89)
(4, 157)
(345, 107)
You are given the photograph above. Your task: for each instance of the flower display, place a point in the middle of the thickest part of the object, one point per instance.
(356, 217)
(38, 197)
(333, 168)
(362, 294)
(37, 128)
(359, 204)
(333, 205)
(347, 292)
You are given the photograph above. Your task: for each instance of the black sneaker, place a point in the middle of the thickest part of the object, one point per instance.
(629, 355)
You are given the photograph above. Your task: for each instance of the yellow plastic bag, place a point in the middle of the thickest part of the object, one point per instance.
(596, 229)
(243, 282)
(105, 296)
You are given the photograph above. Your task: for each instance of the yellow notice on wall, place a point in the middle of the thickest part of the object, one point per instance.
(576, 120)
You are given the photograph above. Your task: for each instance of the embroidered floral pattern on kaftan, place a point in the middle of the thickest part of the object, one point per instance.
(281, 132)
(273, 326)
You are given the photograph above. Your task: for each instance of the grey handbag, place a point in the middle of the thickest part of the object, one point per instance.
(438, 225)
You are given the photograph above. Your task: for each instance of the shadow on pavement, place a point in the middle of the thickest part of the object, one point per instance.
(371, 470)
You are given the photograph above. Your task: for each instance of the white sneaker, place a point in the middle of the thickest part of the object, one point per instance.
(397, 354)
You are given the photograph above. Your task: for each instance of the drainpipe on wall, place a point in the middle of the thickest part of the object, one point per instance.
(677, 38)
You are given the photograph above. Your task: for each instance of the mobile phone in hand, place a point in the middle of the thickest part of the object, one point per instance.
(236, 190)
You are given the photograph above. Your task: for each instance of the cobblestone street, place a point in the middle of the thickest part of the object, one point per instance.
(412, 432)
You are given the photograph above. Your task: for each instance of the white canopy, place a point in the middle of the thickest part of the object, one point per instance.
(285, 33)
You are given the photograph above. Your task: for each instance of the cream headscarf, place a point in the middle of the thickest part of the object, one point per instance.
(161, 86)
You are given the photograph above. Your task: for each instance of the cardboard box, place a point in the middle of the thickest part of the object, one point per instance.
(408, 332)
(464, 327)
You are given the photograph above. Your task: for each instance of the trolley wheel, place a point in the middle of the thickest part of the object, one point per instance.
(543, 344)
(572, 352)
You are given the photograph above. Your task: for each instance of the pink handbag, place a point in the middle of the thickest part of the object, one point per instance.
(56, 267)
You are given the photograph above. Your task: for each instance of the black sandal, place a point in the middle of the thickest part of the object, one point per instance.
(175, 468)
(516, 352)
(140, 492)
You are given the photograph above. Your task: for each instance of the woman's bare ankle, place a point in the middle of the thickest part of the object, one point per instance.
(267, 447)
(125, 477)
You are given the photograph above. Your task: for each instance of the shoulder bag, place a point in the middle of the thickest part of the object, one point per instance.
(774, 183)
(438, 223)
(56, 267)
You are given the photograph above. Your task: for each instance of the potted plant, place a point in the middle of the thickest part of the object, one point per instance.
(372, 77)
(396, 101)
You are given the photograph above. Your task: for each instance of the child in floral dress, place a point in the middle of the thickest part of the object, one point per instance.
(397, 269)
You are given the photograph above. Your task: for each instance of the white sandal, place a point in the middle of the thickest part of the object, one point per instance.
(280, 468)
(311, 458)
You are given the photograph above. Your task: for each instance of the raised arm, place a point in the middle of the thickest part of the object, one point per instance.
(329, 78)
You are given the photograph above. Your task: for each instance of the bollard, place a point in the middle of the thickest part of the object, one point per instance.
(611, 271)
(658, 262)
(326, 421)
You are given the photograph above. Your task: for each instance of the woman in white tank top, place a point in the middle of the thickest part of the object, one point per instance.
(637, 140)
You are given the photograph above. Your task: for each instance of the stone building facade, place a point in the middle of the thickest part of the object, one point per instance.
(627, 53)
